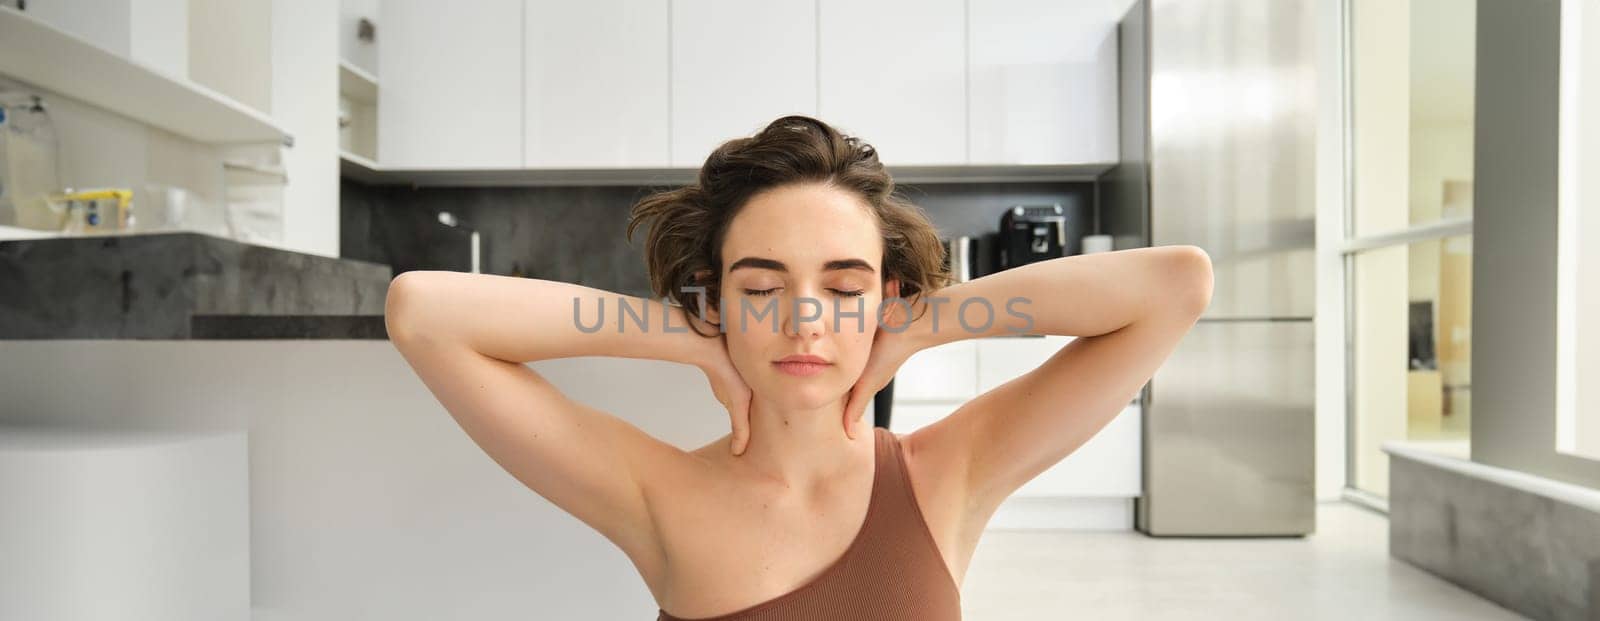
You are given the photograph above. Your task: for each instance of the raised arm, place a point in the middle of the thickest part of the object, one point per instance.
(468, 337)
(1128, 310)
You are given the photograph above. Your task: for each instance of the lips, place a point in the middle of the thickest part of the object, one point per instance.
(801, 365)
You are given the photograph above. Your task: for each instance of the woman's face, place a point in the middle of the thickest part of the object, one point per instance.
(808, 248)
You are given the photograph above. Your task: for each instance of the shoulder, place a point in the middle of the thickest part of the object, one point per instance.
(677, 485)
(937, 477)
(931, 464)
(683, 480)
(672, 473)
(938, 480)
(700, 507)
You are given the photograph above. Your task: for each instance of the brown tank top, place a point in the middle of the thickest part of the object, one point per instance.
(892, 570)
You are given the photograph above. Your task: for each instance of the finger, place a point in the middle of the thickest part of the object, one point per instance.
(733, 422)
(741, 429)
(867, 395)
(850, 407)
(735, 439)
(849, 401)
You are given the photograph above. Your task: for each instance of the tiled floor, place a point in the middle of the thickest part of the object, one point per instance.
(1342, 572)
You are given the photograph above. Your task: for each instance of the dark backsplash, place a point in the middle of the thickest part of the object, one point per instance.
(576, 234)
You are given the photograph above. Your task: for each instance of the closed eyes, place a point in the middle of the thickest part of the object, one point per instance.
(775, 288)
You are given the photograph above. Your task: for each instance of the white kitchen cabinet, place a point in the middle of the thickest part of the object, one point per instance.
(737, 66)
(894, 73)
(596, 84)
(1043, 87)
(1002, 359)
(909, 417)
(640, 84)
(1107, 465)
(452, 84)
(1091, 488)
(944, 373)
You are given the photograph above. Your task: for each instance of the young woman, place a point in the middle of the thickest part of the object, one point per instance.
(803, 511)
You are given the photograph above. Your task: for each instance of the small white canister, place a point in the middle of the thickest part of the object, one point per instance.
(1096, 243)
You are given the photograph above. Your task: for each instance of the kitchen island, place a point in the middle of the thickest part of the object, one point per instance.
(366, 500)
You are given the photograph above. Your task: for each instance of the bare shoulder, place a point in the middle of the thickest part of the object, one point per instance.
(665, 475)
(703, 513)
(938, 480)
(674, 476)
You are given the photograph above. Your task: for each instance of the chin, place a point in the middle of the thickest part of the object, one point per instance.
(805, 393)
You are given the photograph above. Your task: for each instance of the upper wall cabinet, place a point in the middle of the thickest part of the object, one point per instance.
(452, 84)
(736, 66)
(1043, 84)
(894, 72)
(596, 84)
(643, 84)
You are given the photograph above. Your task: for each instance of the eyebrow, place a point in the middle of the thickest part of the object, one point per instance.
(772, 264)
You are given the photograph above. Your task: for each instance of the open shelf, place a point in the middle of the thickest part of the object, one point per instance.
(44, 56)
(356, 84)
(358, 167)
(273, 172)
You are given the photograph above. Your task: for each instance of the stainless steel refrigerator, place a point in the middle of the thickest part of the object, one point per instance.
(1218, 122)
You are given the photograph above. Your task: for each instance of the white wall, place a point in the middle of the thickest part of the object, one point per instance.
(140, 30)
(103, 21)
(151, 41)
(305, 100)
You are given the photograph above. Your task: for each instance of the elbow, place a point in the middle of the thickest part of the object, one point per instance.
(1192, 278)
(401, 305)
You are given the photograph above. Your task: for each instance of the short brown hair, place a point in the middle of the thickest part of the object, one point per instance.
(687, 225)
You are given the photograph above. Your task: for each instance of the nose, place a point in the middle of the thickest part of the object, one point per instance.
(805, 315)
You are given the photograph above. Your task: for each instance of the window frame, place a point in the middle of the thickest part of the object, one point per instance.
(1353, 245)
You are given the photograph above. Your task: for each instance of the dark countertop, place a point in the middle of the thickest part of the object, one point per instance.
(263, 327)
(184, 286)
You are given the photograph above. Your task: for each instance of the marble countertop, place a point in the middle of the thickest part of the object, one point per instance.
(184, 286)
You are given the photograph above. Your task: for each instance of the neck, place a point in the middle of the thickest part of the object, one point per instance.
(801, 448)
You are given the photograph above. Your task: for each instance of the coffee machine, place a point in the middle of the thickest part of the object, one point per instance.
(1031, 233)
